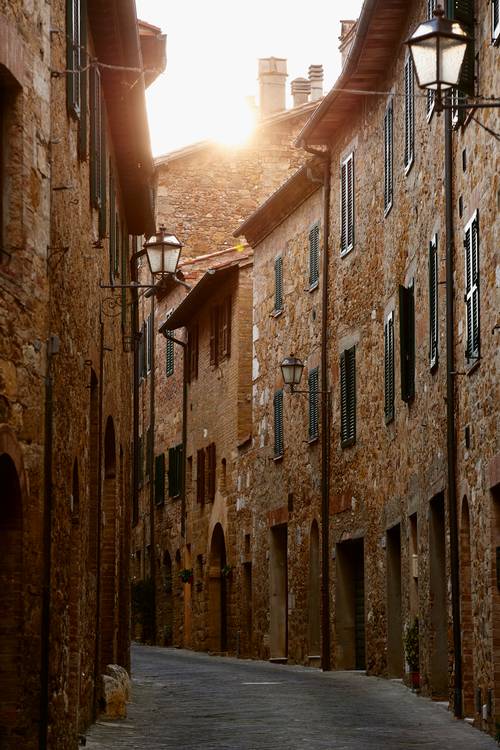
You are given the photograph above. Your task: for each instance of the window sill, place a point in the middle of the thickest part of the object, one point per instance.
(313, 440)
(313, 287)
(348, 443)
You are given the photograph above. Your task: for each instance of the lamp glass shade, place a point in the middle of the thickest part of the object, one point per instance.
(163, 251)
(291, 370)
(438, 49)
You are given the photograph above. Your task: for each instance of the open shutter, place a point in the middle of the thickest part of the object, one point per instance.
(409, 113)
(172, 464)
(407, 341)
(278, 424)
(433, 303)
(82, 130)
(389, 368)
(140, 460)
(347, 208)
(73, 56)
(313, 404)
(226, 327)
(160, 479)
(124, 277)
(495, 20)
(278, 283)
(471, 246)
(211, 484)
(314, 255)
(169, 357)
(200, 475)
(214, 328)
(388, 152)
(348, 397)
(463, 12)
(95, 137)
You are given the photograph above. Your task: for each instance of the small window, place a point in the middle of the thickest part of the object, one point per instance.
(175, 458)
(389, 368)
(347, 207)
(388, 151)
(407, 341)
(314, 256)
(495, 20)
(471, 246)
(313, 404)
(409, 153)
(433, 303)
(348, 397)
(278, 284)
(278, 424)
(160, 479)
(169, 356)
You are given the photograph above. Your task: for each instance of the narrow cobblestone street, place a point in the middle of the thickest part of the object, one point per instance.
(193, 701)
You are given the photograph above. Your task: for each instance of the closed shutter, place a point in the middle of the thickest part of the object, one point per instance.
(407, 341)
(278, 283)
(471, 246)
(278, 424)
(495, 20)
(95, 137)
(433, 303)
(200, 475)
(124, 277)
(313, 404)
(347, 207)
(214, 329)
(193, 353)
(314, 255)
(409, 113)
(140, 460)
(143, 351)
(149, 342)
(112, 224)
(388, 152)
(211, 478)
(103, 179)
(389, 368)
(149, 453)
(160, 479)
(225, 328)
(82, 129)
(463, 12)
(172, 472)
(348, 397)
(169, 357)
(73, 56)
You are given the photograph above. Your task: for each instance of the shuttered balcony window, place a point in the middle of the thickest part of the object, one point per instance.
(407, 341)
(278, 424)
(314, 257)
(409, 122)
(348, 397)
(471, 247)
(313, 404)
(278, 284)
(389, 368)
(388, 154)
(347, 205)
(433, 303)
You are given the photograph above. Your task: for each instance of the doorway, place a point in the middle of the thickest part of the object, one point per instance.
(438, 666)
(217, 593)
(278, 585)
(314, 604)
(108, 572)
(394, 618)
(350, 605)
(467, 623)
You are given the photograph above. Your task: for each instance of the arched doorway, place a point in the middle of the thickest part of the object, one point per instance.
(313, 604)
(466, 612)
(217, 593)
(108, 572)
(168, 614)
(11, 622)
(74, 601)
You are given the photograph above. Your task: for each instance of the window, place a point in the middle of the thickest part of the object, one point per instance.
(278, 424)
(160, 479)
(124, 275)
(169, 356)
(314, 256)
(278, 284)
(149, 342)
(407, 341)
(220, 331)
(200, 475)
(471, 246)
(409, 114)
(313, 404)
(140, 461)
(389, 368)
(74, 28)
(388, 149)
(211, 474)
(149, 453)
(95, 138)
(192, 353)
(175, 457)
(347, 207)
(433, 303)
(495, 20)
(348, 397)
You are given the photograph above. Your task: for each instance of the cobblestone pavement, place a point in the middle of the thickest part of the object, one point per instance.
(184, 700)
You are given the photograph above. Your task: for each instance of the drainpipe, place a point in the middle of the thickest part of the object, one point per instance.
(52, 348)
(450, 419)
(152, 550)
(97, 652)
(325, 419)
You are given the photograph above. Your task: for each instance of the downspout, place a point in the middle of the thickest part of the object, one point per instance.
(97, 653)
(325, 414)
(450, 419)
(152, 551)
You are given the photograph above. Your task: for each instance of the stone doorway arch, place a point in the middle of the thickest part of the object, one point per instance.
(217, 593)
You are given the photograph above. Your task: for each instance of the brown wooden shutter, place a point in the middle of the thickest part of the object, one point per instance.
(200, 475)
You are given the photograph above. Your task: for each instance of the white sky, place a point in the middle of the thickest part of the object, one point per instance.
(212, 52)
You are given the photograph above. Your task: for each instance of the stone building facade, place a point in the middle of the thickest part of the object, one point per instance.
(72, 198)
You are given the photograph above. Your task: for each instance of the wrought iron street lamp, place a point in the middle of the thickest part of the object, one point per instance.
(291, 370)
(163, 250)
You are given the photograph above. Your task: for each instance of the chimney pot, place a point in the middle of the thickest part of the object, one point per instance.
(316, 79)
(301, 88)
(272, 83)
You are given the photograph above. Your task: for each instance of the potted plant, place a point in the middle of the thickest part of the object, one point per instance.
(411, 646)
(186, 575)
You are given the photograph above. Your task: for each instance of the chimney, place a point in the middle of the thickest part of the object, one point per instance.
(272, 82)
(316, 79)
(347, 34)
(301, 88)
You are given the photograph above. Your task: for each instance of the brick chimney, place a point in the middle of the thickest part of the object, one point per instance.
(301, 88)
(272, 82)
(347, 34)
(316, 79)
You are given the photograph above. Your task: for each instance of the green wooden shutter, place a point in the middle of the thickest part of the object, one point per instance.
(124, 277)
(278, 423)
(495, 20)
(471, 246)
(348, 397)
(407, 341)
(463, 12)
(347, 207)
(433, 303)
(160, 479)
(200, 475)
(82, 131)
(389, 368)
(313, 387)
(103, 177)
(150, 363)
(95, 138)
(278, 283)
(409, 113)
(172, 472)
(314, 255)
(214, 329)
(388, 154)
(140, 460)
(212, 467)
(169, 356)
(73, 56)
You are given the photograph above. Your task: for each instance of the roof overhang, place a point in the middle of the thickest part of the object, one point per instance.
(378, 35)
(113, 25)
(282, 203)
(153, 50)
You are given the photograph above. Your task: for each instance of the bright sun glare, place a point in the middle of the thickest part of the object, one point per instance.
(235, 124)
